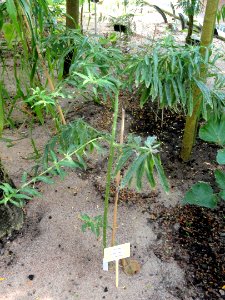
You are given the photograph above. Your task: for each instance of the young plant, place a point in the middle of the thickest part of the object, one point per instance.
(94, 224)
(145, 156)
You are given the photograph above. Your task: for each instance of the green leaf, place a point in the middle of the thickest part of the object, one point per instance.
(22, 196)
(133, 170)
(30, 191)
(149, 168)
(84, 227)
(12, 11)
(126, 154)
(201, 194)
(220, 158)
(222, 194)
(45, 179)
(205, 91)
(69, 164)
(139, 175)
(24, 177)
(17, 203)
(213, 131)
(144, 96)
(9, 33)
(220, 179)
(161, 174)
(168, 93)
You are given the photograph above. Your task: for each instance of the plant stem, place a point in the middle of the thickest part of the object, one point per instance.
(118, 177)
(109, 170)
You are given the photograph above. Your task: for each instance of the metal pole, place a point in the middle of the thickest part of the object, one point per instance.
(95, 17)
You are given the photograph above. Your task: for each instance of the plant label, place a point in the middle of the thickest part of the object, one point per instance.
(105, 265)
(117, 252)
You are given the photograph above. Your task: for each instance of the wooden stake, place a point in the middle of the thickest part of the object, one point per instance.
(117, 273)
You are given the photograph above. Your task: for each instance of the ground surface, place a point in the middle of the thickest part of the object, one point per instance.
(180, 250)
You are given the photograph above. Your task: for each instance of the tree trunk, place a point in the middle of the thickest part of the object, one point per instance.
(72, 22)
(190, 28)
(192, 121)
(72, 9)
(11, 217)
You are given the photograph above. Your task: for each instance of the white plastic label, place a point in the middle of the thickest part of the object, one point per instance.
(105, 265)
(117, 252)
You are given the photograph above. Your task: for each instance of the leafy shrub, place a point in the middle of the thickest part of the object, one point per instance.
(168, 72)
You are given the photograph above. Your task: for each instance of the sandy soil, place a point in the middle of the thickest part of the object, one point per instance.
(52, 259)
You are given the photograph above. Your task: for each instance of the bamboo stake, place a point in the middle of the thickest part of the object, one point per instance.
(117, 273)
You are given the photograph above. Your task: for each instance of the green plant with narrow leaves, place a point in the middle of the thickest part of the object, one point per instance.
(66, 150)
(202, 193)
(167, 73)
(43, 102)
(95, 224)
(24, 24)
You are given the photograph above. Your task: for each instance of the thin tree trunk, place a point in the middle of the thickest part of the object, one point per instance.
(72, 22)
(72, 9)
(190, 29)
(192, 121)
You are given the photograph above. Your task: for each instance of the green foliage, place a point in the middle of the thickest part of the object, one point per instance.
(94, 224)
(214, 131)
(220, 14)
(24, 25)
(201, 193)
(220, 158)
(43, 102)
(88, 54)
(63, 151)
(191, 7)
(144, 159)
(168, 72)
(15, 196)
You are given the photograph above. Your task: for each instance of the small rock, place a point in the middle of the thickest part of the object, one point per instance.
(31, 277)
(176, 226)
(222, 292)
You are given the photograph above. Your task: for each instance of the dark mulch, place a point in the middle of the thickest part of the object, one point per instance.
(194, 236)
